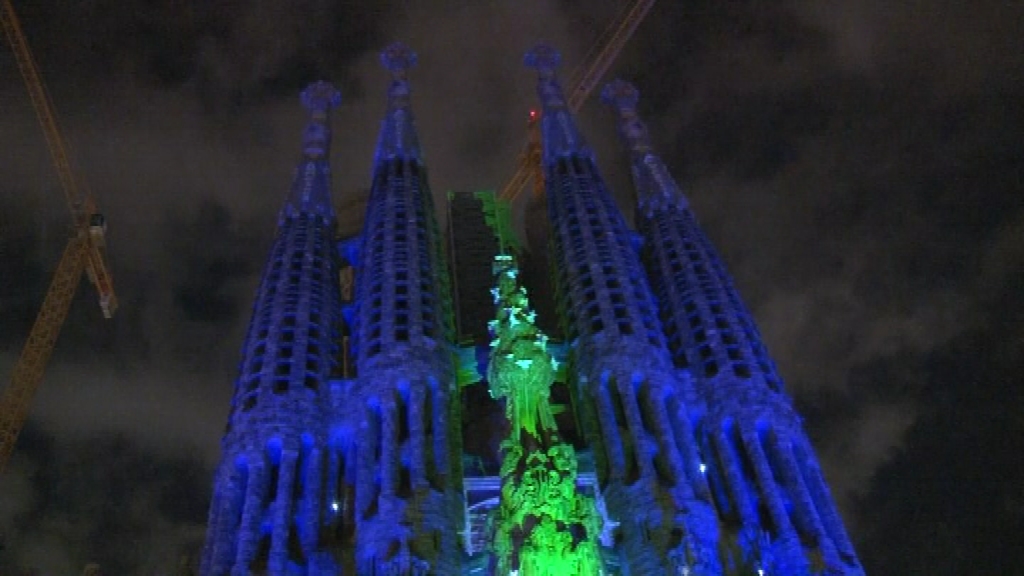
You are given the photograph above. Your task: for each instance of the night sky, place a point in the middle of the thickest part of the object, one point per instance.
(857, 162)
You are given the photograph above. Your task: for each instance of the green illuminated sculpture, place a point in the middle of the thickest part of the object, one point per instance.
(544, 526)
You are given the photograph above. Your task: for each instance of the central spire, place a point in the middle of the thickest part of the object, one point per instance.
(398, 134)
(558, 130)
(544, 525)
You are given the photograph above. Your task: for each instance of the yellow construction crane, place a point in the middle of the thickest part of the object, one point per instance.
(85, 251)
(581, 83)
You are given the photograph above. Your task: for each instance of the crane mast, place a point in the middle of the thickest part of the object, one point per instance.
(84, 251)
(581, 83)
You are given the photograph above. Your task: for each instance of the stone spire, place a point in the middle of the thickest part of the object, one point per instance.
(634, 410)
(763, 475)
(407, 452)
(398, 132)
(655, 187)
(267, 498)
(558, 129)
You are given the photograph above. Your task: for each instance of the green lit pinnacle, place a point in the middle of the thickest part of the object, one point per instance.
(544, 526)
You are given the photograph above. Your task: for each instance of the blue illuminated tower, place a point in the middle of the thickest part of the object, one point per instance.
(267, 498)
(768, 488)
(402, 415)
(631, 399)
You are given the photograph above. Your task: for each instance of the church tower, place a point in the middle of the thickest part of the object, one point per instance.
(401, 415)
(630, 399)
(768, 488)
(266, 497)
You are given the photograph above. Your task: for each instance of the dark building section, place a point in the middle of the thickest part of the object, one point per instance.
(472, 246)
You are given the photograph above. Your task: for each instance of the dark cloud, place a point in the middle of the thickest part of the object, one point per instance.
(210, 256)
(22, 274)
(105, 500)
(856, 163)
(952, 494)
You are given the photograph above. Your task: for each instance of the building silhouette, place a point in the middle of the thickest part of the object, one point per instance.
(344, 452)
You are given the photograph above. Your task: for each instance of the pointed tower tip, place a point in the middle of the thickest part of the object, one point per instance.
(655, 187)
(558, 129)
(398, 134)
(320, 96)
(621, 95)
(544, 58)
(398, 58)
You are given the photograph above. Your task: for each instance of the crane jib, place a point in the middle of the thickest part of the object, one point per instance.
(83, 252)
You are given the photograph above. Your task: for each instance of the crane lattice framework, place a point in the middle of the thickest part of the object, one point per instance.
(581, 83)
(84, 251)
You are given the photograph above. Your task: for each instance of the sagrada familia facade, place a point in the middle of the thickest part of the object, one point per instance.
(344, 446)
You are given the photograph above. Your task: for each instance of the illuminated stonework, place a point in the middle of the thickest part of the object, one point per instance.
(679, 454)
(544, 526)
(396, 425)
(769, 494)
(263, 518)
(633, 405)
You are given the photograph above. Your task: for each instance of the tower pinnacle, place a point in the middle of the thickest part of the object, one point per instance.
(398, 134)
(319, 97)
(558, 129)
(623, 96)
(544, 59)
(398, 58)
(655, 187)
(766, 474)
